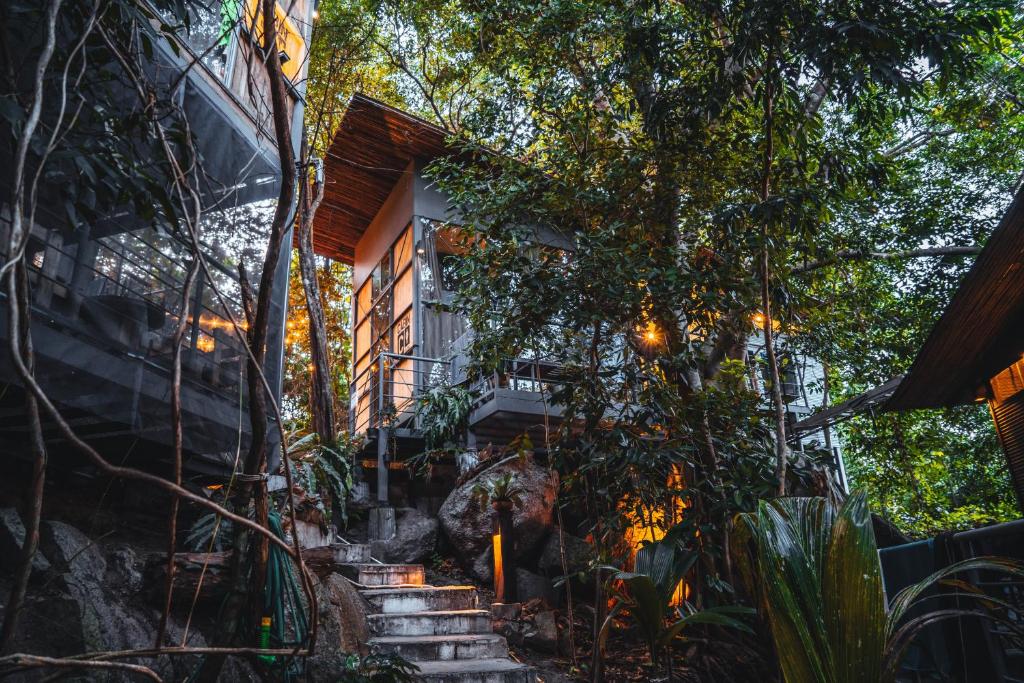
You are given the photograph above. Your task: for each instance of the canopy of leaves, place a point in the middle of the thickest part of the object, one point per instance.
(668, 146)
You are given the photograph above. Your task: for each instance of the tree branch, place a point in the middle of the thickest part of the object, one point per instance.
(867, 254)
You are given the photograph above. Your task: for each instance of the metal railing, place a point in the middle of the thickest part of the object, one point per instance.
(127, 297)
(523, 374)
(1001, 540)
(386, 391)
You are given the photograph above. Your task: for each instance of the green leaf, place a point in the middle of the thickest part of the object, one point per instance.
(853, 596)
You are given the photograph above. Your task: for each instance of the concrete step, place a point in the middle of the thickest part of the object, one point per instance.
(391, 574)
(476, 671)
(452, 622)
(442, 648)
(425, 599)
(354, 553)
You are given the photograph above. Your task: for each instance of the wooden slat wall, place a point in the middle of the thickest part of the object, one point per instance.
(1009, 420)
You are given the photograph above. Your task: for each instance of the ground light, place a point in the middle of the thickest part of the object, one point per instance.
(503, 539)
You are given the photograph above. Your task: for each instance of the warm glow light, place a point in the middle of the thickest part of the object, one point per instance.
(648, 525)
(316, 15)
(212, 322)
(650, 333)
(205, 343)
(759, 319)
(499, 572)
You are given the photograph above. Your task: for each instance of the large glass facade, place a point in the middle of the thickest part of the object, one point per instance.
(385, 324)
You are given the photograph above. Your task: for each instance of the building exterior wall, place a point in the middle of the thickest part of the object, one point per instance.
(107, 292)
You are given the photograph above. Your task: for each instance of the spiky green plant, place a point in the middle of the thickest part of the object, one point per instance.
(319, 467)
(815, 571)
(502, 489)
(647, 591)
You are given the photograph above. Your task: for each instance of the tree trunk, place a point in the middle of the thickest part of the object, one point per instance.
(781, 448)
(34, 498)
(321, 399)
(172, 521)
(246, 583)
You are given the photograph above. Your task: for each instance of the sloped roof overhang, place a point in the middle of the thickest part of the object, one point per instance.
(372, 148)
(981, 332)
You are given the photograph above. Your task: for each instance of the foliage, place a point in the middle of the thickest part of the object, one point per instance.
(647, 593)
(673, 146)
(377, 669)
(210, 533)
(324, 471)
(501, 489)
(933, 471)
(443, 411)
(815, 571)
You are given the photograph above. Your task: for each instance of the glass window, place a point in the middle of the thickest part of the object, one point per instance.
(363, 302)
(403, 250)
(403, 293)
(382, 275)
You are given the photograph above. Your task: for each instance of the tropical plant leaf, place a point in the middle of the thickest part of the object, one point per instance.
(853, 599)
(787, 546)
(646, 606)
(714, 616)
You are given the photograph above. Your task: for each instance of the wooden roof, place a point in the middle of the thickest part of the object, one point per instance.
(373, 146)
(981, 331)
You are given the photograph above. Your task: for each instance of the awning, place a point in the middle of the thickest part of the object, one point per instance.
(870, 399)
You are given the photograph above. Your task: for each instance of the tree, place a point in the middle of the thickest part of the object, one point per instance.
(686, 153)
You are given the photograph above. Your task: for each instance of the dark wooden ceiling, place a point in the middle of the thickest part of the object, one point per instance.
(371, 149)
(981, 331)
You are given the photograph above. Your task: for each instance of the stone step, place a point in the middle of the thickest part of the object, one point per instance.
(352, 553)
(454, 622)
(476, 671)
(442, 648)
(391, 574)
(425, 599)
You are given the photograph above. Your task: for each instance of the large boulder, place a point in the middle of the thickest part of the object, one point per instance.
(534, 587)
(343, 629)
(96, 601)
(469, 525)
(12, 538)
(578, 554)
(414, 540)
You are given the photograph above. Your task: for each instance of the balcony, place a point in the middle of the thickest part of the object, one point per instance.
(511, 401)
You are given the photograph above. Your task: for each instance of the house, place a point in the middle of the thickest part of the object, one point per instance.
(381, 216)
(106, 293)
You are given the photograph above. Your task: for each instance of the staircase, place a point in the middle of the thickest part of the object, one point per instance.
(439, 628)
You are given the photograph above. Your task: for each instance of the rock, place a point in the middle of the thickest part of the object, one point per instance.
(578, 554)
(343, 628)
(544, 634)
(12, 538)
(124, 570)
(69, 550)
(483, 566)
(96, 603)
(311, 534)
(468, 525)
(533, 586)
(506, 611)
(414, 540)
